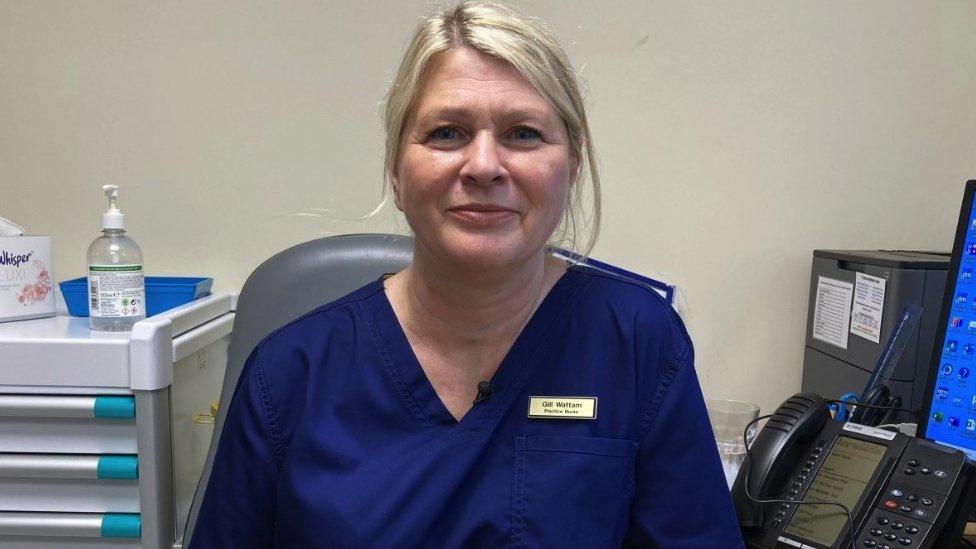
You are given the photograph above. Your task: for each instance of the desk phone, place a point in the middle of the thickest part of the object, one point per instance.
(901, 491)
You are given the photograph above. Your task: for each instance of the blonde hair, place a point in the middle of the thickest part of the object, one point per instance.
(502, 32)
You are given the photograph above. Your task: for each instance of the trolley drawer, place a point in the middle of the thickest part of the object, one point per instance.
(70, 525)
(22, 542)
(69, 483)
(67, 424)
(68, 406)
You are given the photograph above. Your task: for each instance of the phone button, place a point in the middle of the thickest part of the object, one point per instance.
(890, 504)
(905, 509)
(913, 463)
(911, 529)
(897, 493)
(882, 520)
(870, 543)
(940, 473)
(891, 536)
(905, 541)
(897, 526)
(909, 471)
(925, 470)
(912, 497)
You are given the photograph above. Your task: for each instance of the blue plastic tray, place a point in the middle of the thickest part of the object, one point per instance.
(162, 293)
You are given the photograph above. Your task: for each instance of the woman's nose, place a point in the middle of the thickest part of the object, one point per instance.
(483, 160)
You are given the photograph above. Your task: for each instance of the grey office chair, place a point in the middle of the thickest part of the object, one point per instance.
(325, 269)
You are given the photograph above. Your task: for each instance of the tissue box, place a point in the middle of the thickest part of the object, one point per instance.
(26, 290)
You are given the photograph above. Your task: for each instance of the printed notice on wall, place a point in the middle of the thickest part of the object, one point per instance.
(869, 296)
(832, 311)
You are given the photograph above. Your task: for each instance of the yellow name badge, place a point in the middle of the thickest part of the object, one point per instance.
(562, 407)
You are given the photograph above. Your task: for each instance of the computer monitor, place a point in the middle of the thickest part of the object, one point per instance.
(949, 405)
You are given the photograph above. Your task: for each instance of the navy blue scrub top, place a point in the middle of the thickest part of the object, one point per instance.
(335, 437)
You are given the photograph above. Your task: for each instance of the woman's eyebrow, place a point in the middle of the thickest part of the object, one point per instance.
(526, 113)
(453, 112)
(447, 112)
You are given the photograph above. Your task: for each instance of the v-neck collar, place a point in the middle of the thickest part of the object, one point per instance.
(418, 393)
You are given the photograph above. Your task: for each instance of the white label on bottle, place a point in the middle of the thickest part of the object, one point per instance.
(116, 291)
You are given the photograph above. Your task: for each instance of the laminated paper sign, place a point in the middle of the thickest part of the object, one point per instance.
(869, 296)
(832, 311)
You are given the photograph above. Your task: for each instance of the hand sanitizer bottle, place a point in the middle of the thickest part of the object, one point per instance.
(116, 290)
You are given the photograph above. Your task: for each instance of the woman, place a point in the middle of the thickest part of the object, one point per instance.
(487, 395)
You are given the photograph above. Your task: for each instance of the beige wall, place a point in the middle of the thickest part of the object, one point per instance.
(735, 138)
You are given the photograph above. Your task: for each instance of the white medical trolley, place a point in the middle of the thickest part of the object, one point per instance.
(99, 446)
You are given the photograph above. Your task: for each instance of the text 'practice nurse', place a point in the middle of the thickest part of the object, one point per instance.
(488, 395)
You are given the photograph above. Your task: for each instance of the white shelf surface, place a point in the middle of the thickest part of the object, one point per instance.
(63, 352)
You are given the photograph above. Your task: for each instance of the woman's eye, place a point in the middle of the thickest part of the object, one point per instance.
(445, 133)
(523, 133)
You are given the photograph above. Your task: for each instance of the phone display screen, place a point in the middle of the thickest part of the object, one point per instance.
(952, 415)
(842, 477)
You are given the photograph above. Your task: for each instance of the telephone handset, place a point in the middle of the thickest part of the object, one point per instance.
(900, 491)
(797, 420)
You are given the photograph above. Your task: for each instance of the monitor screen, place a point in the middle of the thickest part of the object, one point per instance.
(950, 398)
(843, 477)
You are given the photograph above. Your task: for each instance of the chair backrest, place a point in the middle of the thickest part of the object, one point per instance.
(325, 270)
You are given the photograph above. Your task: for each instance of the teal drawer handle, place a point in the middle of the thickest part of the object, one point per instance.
(72, 525)
(63, 466)
(121, 525)
(116, 407)
(118, 467)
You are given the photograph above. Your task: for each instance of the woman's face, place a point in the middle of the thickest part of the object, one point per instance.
(484, 166)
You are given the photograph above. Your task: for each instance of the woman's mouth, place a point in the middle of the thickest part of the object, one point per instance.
(482, 213)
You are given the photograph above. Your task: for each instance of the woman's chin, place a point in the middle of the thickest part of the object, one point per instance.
(485, 255)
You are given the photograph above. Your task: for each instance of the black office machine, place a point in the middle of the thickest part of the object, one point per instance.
(855, 300)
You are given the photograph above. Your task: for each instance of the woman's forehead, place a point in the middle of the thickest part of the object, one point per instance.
(460, 62)
(461, 82)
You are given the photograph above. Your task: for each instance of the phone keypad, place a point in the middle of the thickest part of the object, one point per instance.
(892, 531)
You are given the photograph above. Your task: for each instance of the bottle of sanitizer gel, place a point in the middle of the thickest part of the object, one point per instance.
(116, 290)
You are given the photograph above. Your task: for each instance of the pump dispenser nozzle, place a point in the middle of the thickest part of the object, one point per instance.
(113, 218)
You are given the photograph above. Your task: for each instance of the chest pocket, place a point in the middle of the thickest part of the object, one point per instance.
(573, 490)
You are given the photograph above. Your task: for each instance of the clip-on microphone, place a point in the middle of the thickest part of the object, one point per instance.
(485, 390)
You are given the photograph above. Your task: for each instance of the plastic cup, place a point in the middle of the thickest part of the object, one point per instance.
(729, 419)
